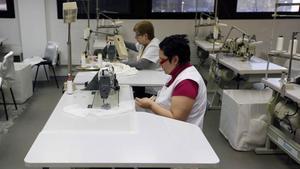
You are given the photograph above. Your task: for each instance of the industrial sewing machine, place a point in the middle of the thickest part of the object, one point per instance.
(284, 124)
(107, 93)
(243, 46)
(240, 47)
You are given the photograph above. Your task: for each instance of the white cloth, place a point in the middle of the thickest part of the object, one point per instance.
(197, 113)
(7, 70)
(122, 69)
(244, 118)
(151, 52)
(33, 60)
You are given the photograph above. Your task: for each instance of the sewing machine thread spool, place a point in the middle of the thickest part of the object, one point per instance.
(294, 47)
(201, 21)
(279, 43)
(208, 20)
(216, 32)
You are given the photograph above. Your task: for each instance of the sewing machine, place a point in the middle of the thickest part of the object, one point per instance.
(240, 51)
(243, 46)
(284, 124)
(240, 47)
(107, 95)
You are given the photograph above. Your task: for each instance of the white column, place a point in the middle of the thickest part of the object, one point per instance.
(32, 27)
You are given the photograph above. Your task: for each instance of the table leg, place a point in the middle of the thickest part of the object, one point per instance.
(238, 81)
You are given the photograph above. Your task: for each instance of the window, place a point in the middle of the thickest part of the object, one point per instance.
(7, 9)
(265, 6)
(142, 9)
(180, 6)
(110, 8)
(3, 5)
(181, 9)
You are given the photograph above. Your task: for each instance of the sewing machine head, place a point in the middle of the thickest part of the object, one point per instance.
(241, 47)
(108, 83)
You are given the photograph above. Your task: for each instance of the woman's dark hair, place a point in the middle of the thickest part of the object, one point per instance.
(176, 45)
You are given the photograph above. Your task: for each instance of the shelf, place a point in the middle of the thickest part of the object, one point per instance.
(284, 142)
(284, 54)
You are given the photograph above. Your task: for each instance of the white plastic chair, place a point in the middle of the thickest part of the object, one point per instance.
(7, 74)
(50, 58)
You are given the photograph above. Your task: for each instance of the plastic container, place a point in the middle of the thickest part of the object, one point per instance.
(69, 84)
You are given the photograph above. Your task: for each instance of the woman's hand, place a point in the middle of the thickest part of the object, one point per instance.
(145, 102)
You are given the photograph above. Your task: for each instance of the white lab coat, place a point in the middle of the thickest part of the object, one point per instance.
(151, 52)
(196, 115)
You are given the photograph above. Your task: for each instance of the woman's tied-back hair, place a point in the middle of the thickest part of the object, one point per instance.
(176, 45)
(144, 27)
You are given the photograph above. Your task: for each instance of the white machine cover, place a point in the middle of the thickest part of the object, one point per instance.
(243, 120)
(197, 114)
(22, 84)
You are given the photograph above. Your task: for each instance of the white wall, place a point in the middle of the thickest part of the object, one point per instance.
(32, 27)
(56, 30)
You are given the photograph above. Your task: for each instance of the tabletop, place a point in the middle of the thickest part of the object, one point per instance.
(142, 78)
(155, 142)
(255, 65)
(121, 138)
(208, 46)
(292, 92)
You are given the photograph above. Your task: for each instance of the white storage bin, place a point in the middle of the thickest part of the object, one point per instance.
(243, 119)
(22, 86)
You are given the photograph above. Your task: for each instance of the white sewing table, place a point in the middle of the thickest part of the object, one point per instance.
(255, 67)
(205, 47)
(128, 139)
(280, 138)
(142, 78)
(292, 93)
(208, 46)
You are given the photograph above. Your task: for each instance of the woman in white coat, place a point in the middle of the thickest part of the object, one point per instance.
(184, 96)
(146, 46)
